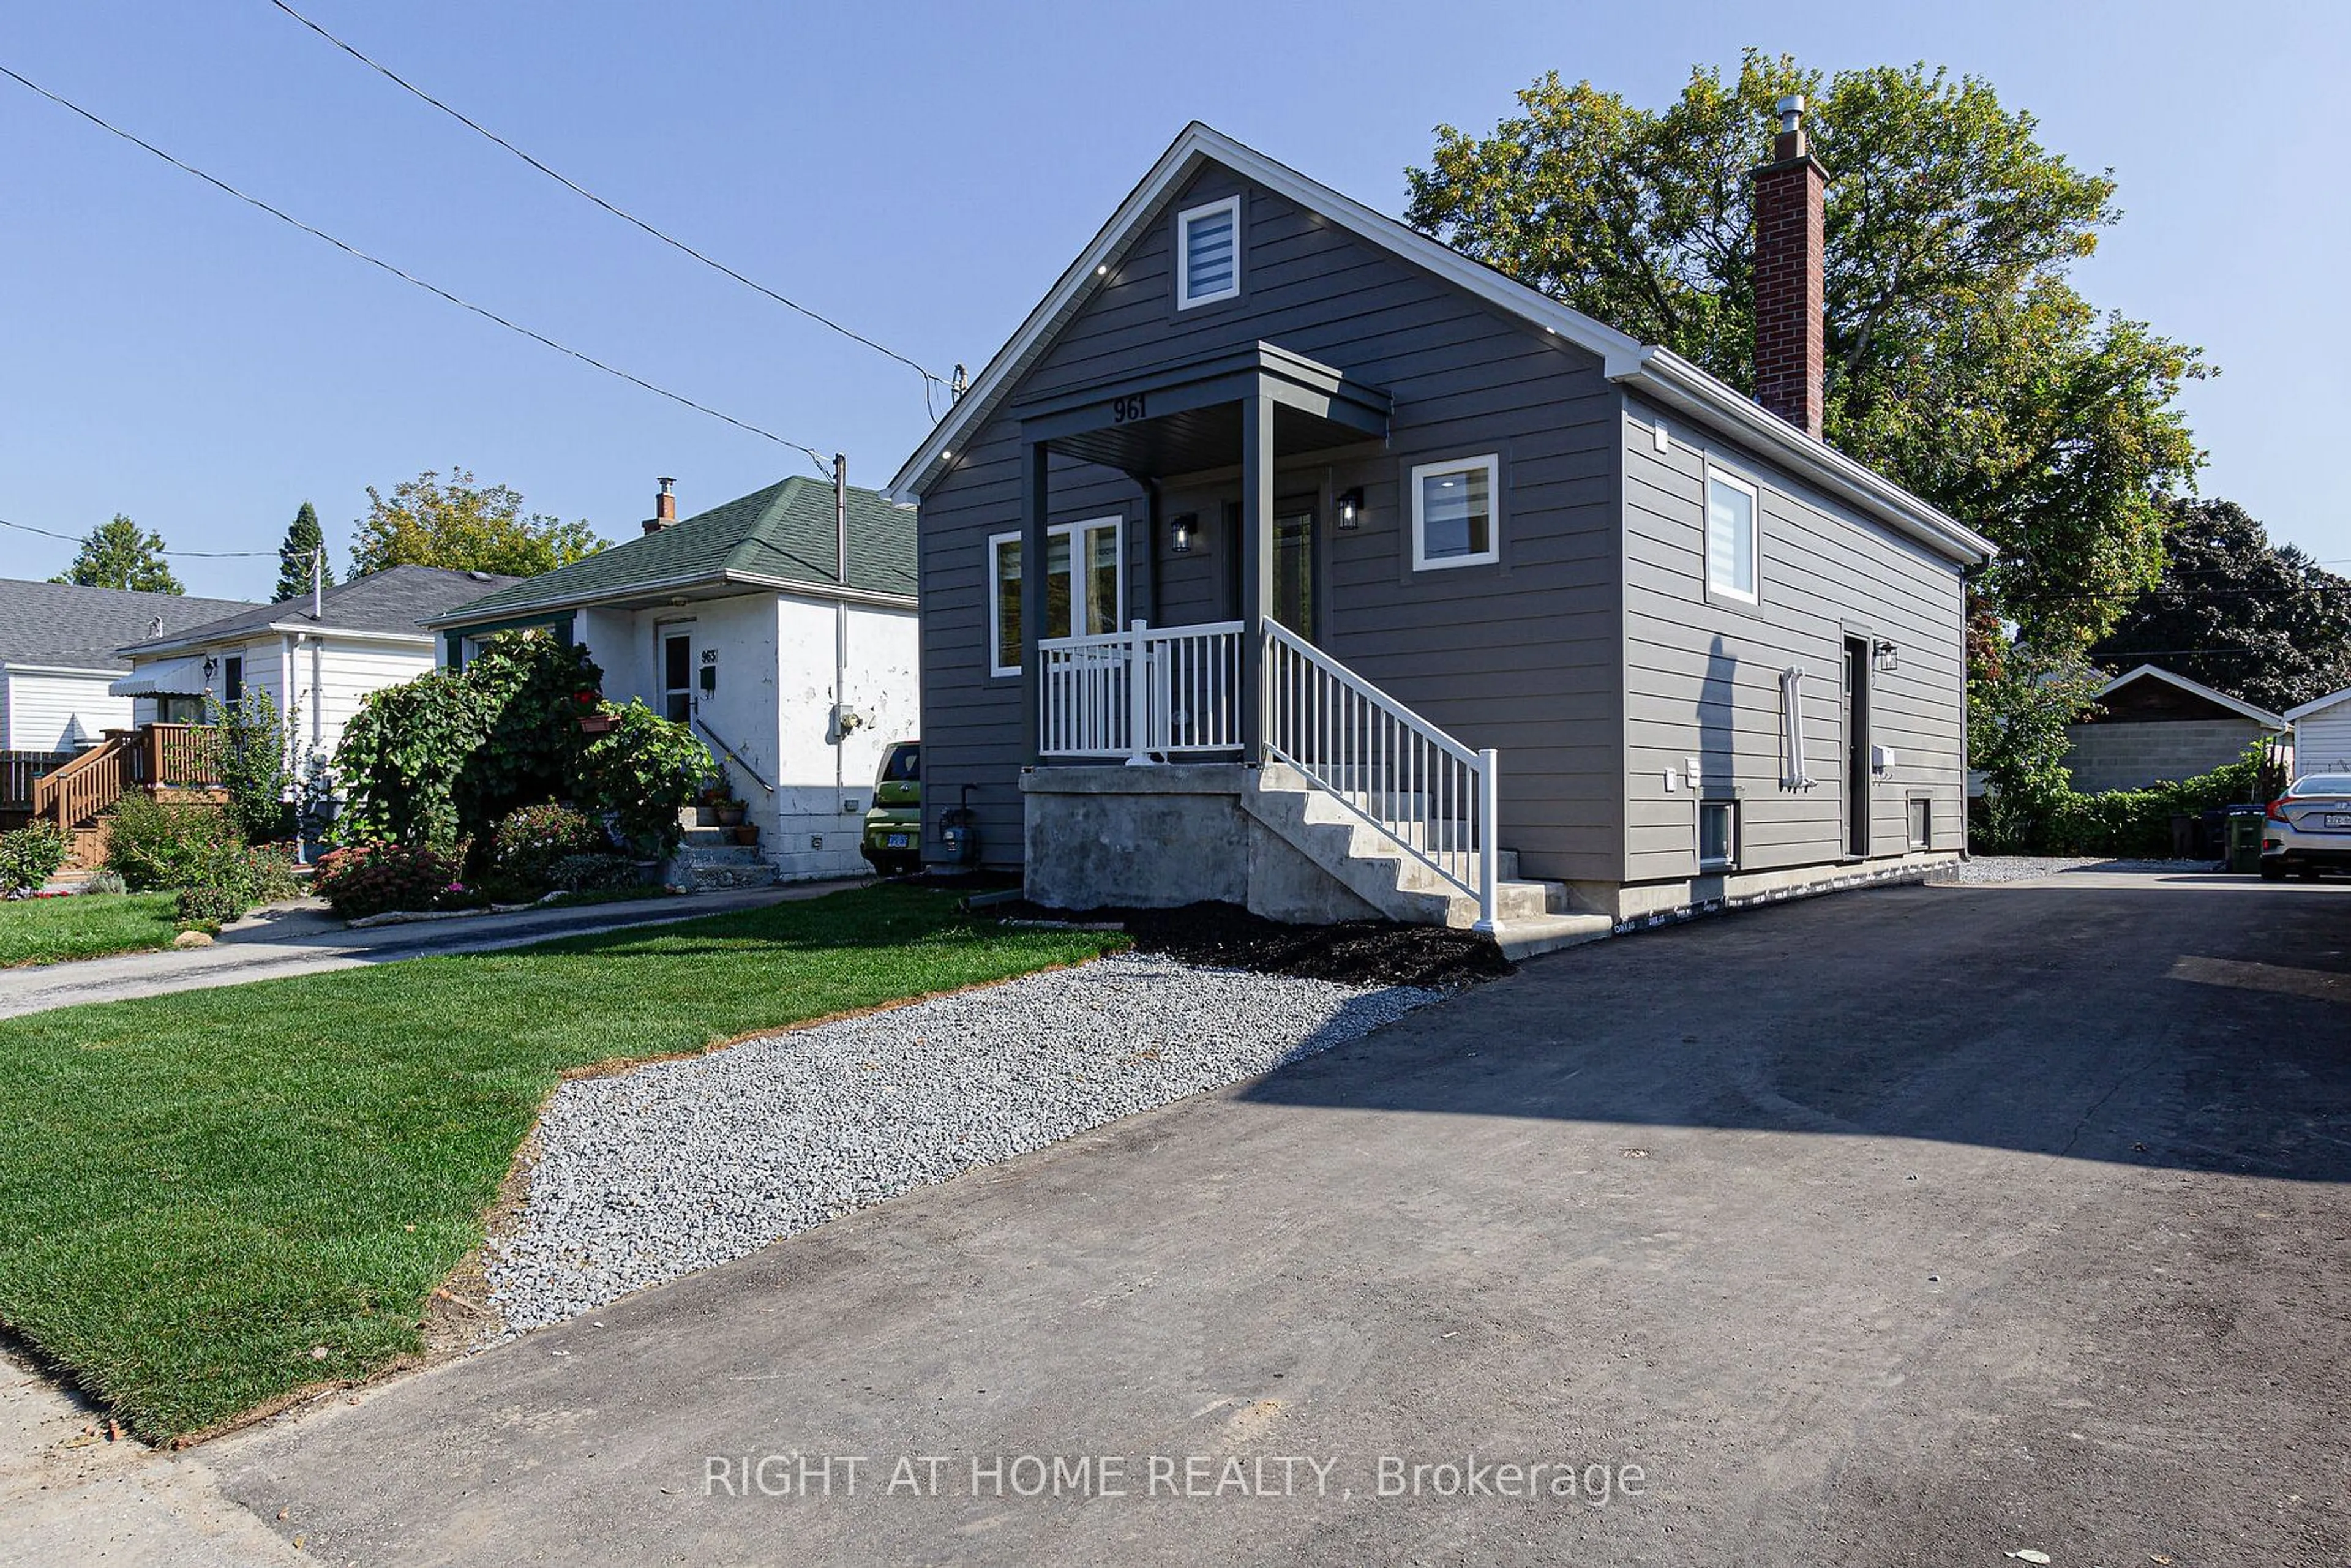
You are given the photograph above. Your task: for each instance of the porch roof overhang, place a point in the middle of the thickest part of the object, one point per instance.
(1187, 417)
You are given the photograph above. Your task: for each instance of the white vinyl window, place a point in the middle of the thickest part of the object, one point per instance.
(1209, 253)
(1718, 834)
(1455, 516)
(1730, 510)
(1084, 587)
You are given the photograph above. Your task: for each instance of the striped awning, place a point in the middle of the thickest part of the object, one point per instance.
(163, 678)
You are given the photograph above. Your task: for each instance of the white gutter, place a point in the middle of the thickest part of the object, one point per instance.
(282, 628)
(757, 580)
(11, 667)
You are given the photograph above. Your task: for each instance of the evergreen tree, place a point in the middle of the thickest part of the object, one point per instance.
(120, 554)
(304, 538)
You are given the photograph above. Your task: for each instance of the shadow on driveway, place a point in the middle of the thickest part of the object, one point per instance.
(2178, 1021)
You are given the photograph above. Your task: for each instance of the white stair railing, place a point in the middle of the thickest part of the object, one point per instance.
(1143, 693)
(1434, 797)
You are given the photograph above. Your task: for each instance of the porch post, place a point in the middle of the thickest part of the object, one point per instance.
(1255, 547)
(1033, 458)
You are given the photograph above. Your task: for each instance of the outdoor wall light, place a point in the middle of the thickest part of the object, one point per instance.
(1888, 656)
(1179, 533)
(211, 666)
(1351, 508)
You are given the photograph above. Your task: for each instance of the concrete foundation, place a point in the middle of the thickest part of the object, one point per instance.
(1637, 905)
(1161, 837)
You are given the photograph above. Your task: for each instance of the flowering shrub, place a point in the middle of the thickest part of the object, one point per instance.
(526, 844)
(369, 879)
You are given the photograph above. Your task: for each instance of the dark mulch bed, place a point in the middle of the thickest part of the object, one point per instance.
(1358, 953)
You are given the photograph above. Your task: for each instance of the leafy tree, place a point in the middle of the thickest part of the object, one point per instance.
(253, 755)
(466, 526)
(1960, 361)
(120, 554)
(2260, 621)
(437, 762)
(304, 538)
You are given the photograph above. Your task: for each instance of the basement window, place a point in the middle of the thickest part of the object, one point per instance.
(1083, 588)
(1718, 834)
(1455, 521)
(1209, 253)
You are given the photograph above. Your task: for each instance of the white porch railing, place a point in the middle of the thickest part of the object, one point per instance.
(1172, 691)
(1436, 797)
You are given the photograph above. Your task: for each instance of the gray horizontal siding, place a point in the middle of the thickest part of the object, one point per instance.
(1522, 656)
(1702, 678)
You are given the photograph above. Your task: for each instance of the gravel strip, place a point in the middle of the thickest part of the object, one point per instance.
(1986, 869)
(678, 1165)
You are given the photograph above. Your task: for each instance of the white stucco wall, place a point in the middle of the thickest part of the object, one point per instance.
(772, 707)
(40, 711)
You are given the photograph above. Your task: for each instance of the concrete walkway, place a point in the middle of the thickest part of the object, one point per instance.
(304, 940)
(71, 1494)
(1929, 1225)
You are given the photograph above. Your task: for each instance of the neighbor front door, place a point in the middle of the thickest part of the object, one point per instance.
(677, 672)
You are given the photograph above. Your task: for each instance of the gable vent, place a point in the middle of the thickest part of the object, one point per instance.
(1207, 243)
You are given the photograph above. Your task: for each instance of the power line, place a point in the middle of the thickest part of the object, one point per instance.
(189, 554)
(626, 216)
(815, 456)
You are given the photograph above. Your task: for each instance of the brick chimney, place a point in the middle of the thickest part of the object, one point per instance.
(664, 509)
(1789, 296)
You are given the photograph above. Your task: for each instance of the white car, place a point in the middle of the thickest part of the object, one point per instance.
(2309, 827)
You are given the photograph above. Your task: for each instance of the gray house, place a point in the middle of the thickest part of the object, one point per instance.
(1289, 558)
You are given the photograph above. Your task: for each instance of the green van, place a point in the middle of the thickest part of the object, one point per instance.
(893, 828)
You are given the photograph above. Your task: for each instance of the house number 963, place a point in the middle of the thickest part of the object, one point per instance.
(1127, 409)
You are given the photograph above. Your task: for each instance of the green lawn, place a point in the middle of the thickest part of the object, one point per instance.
(195, 1190)
(87, 926)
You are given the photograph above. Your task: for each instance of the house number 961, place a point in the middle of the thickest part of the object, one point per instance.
(1127, 409)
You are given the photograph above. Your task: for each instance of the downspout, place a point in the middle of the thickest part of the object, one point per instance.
(839, 626)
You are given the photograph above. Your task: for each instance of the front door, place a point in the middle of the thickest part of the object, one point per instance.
(1293, 567)
(678, 674)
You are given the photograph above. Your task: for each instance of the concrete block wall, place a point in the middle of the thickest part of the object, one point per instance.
(2125, 756)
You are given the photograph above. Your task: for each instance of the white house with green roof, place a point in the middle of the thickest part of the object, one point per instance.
(784, 638)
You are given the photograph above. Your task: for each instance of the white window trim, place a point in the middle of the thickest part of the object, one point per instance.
(1116, 522)
(1185, 298)
(1492, 464)
(1754, 590)
(1728, 862)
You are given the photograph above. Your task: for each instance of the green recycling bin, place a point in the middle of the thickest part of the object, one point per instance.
(2245, 839)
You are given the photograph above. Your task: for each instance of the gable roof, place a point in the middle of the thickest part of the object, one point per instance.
(64, 626)
(2315, 703)
(1657, 372)
(387, 604)
(779, 537)
(2260, 716)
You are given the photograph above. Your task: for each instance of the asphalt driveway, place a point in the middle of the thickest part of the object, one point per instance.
(1921, 1225)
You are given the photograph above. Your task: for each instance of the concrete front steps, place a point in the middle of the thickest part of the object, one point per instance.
(1531, 917)
(709, 857)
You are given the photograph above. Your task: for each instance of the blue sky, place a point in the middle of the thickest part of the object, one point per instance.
(923, 173)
